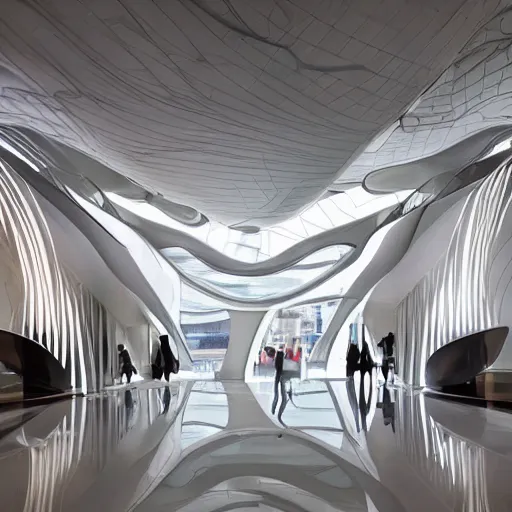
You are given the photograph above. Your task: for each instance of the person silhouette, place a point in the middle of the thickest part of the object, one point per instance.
(157, 366)
(278, 382)
(171, 364)
(387, 345)
(125, 363)
(353, 356)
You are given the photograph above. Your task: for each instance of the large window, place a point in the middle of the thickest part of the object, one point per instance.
(257, 287)
(207, 337)
(294, 330)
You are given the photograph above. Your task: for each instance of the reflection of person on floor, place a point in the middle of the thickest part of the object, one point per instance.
(366, 365)
(353, 356)
(286, 397)
(388, 409)
(278, 365)
(286, 369)
(352, 399)
(125, 363)
(166, 400)
(279, 383)
(365, 403)
(128, 403)
(360, 405)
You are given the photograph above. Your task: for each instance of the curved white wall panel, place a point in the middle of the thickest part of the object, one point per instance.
(395, 242)
(257, 287)
(125, 264)
(80, 257)
(89, 177)
(412, 175)
(436, 227)
(50, 305)
(356, 234)
(458, 295)
(351, 233)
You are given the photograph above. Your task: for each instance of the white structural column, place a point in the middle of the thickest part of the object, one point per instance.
(392, 248)
(244, 325)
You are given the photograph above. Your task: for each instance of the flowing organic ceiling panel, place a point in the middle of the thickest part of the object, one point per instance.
(453, 121)
(246, 110)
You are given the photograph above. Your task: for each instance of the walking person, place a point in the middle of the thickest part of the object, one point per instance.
(387, 345)
(171, 364)
(278, 379)
(125, 363)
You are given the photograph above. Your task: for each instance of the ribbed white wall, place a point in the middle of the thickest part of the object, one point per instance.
(458, 295)
(46, 302)
(435, 230)
(10, 284)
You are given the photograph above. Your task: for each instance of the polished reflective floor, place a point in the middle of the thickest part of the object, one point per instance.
(221, 446)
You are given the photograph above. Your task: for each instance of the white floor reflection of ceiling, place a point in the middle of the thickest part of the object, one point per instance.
(215, 446)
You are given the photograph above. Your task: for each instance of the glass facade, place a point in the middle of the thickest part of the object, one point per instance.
(294, 330)
(257, 287)
(207, 337)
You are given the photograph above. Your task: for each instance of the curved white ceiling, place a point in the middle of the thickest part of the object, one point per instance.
(245, 110)
(472, 96)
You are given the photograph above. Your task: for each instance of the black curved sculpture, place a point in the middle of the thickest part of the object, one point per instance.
(41, 373)
(460, 361)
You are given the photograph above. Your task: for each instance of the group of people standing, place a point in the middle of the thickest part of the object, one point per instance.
(164, 362)
(361, 360)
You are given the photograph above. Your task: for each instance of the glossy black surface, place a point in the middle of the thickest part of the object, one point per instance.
(460, 361)
(41, 373)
